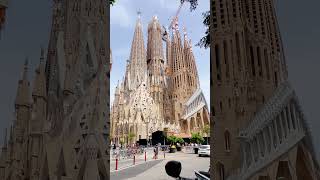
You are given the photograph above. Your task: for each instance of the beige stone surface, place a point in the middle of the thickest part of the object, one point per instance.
(247, 66)
(158, 92)
(61, 128)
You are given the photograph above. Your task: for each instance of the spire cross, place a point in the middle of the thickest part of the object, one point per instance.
(25, 68)
(41, 55)
(139, 13)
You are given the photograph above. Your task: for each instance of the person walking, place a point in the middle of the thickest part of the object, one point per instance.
(156, 150)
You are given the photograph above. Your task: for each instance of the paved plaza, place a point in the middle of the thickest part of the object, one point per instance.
(155, 169)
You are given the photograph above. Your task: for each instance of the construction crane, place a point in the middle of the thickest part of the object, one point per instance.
(174, 19)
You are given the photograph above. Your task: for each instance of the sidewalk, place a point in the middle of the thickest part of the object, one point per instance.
(139, 159)
(189, 162)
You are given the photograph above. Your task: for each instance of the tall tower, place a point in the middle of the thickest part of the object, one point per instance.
(156, 64)
(37, 120)
(247, 65)
(179, 73)
(192, 72)
(138, 62)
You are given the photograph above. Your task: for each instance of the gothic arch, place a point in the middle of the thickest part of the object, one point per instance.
(205, 116)
(199, 120)
(192, 123)
(302, 168)
(283, 171)
(132, 129)
(185, 126)
(45, 170)
(102, 168)
(61, 171)
(220, 171)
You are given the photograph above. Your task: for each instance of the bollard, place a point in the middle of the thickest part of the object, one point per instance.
(145, 156)
(117, 164)
(164, 154)
(134, 160)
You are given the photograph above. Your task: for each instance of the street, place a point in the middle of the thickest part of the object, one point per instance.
(155, 169)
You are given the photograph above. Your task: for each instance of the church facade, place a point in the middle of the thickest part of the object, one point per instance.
(158, 91)
(61, 128)
(259, 130)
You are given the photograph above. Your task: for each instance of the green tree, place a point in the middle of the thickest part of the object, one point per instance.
(196, 138)
(180, 140)
(131, 136)
(111, 2)
(121, 140)
(206, 131)
(204, 41)
(172, 139)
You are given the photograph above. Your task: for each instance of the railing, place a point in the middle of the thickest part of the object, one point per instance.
(125, 158)
(126, 153)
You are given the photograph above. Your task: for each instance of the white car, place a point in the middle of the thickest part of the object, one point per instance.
(204, 150)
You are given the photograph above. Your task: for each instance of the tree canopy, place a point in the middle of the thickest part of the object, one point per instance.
(111, 2)
(204, 41)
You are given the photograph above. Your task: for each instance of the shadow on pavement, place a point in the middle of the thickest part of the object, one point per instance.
(133, 171)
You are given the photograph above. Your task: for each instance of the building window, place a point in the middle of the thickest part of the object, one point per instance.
(259, 61)
(226, 59)
(227, 140)
(275, 79)
(218, 63)
(213, 111)
(221, 106)
(221, 171)
(252, 62)
(238, 51)
(267, 63)
(234, 12)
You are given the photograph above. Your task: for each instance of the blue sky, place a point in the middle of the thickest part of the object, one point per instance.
(123, 18)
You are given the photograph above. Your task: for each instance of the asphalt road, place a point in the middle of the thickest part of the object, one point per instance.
(155, 169)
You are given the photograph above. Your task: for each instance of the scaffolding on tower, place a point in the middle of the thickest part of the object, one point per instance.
(173, 23)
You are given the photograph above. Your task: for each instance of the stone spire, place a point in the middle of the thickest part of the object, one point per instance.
(5, 141)
(138, 64)
(3, 157)
(127, 77)
(39, 87)
(23, 94)
(154, 47)
(191, 64)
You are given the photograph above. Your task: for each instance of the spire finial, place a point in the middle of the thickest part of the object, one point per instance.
(139, 13)
(11, 134)
(5, 139)
(25, 68)
(41, 55)
(185, 31)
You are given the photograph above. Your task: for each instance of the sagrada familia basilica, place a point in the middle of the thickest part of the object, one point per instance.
(259, 129)
(60, 130)
(158, 92)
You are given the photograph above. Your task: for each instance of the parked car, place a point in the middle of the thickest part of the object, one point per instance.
(204, 150)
